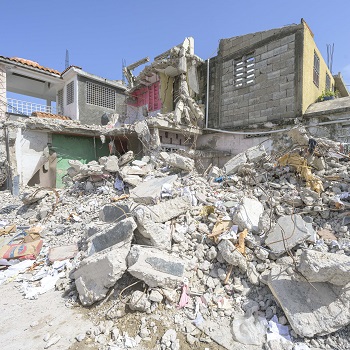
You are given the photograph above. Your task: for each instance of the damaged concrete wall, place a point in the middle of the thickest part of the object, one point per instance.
(91, 114)
(231, 144)
(266, 88)
(30, 146)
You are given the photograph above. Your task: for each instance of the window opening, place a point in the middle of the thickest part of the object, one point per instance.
(244, 71)
(99, 95)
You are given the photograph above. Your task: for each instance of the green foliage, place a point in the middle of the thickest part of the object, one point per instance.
(327, 95)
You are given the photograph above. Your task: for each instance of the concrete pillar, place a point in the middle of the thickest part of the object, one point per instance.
(3, 99)
(48, 106)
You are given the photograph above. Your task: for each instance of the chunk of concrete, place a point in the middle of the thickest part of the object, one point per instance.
(232, 166)
(114, 212)
(318, 266)
(155, 268)
(170, 209)
(113, 234)
(248, 213)
(126, 158)
(177, 161)
(312, 310)
(221, 332)
(100, 271)
(231, 254)
(289, 231)
(139, 301)
(158, 234)
(111, 164)
(256, 153)
(149, 191)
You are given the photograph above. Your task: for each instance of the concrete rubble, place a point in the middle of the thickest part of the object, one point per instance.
(252, 255)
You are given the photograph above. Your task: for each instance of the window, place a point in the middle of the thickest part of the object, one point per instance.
(328, 82)
(244, 71)
(99, 95)
(316, 77)
(166, 134)
(60, 101)
(70, 93)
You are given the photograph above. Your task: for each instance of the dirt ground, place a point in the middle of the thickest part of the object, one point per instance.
(25, 323)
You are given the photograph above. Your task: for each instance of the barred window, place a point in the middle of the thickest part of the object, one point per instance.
(328, 82)
(316, 76)
(70, 93)
(60, 101)
(244, 71)
(99, 95)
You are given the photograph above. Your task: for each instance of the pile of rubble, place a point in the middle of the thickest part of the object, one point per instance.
(255, 255)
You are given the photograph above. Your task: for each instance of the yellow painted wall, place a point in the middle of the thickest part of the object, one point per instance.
(166, 93)
(310, 91)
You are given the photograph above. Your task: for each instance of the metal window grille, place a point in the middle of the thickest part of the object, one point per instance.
(70, 93)
(328, 82)
(60, 101)
(244, 71)
(99, 95)
(316, 76)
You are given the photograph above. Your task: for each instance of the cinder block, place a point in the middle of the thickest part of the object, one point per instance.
(288, 39)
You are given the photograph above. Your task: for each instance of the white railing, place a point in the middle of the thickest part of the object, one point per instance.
(27, 108)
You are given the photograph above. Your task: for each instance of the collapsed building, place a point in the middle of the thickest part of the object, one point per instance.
(220, 186)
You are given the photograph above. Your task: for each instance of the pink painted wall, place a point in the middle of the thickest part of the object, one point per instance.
(148, 95)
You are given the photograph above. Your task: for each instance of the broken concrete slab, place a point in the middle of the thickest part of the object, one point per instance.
(100, 271)
(248, 213)
(289, 231)
(232, 166)
(256, 153)
(170, 209)
(149, 191)
(112, 235)
(114, 212)
(318, 266)
(158, 234)
(317, 309)
(177, 161)
(155, 268)
(221, 333)
(111, 164)
(231, 254)
(126, 158)
(63, 252)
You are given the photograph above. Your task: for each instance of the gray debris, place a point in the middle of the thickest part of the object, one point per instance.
(319, 266)
(289, 231)
(149, 191)
(317, 309)
(155, 268)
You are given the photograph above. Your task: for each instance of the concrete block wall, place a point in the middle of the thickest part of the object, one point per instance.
(273, 96)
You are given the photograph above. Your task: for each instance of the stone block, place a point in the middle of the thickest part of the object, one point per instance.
(319, 266)
(312, 310)
(155, 268)
(289, 231)
(248, 213)
(114, 212)
(148, 192)
(235, 163)
(114, 234)
(180, 162)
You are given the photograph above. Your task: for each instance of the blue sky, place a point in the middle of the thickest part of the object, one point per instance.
(100, 34)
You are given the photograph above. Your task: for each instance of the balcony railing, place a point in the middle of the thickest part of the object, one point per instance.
(27, 108)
